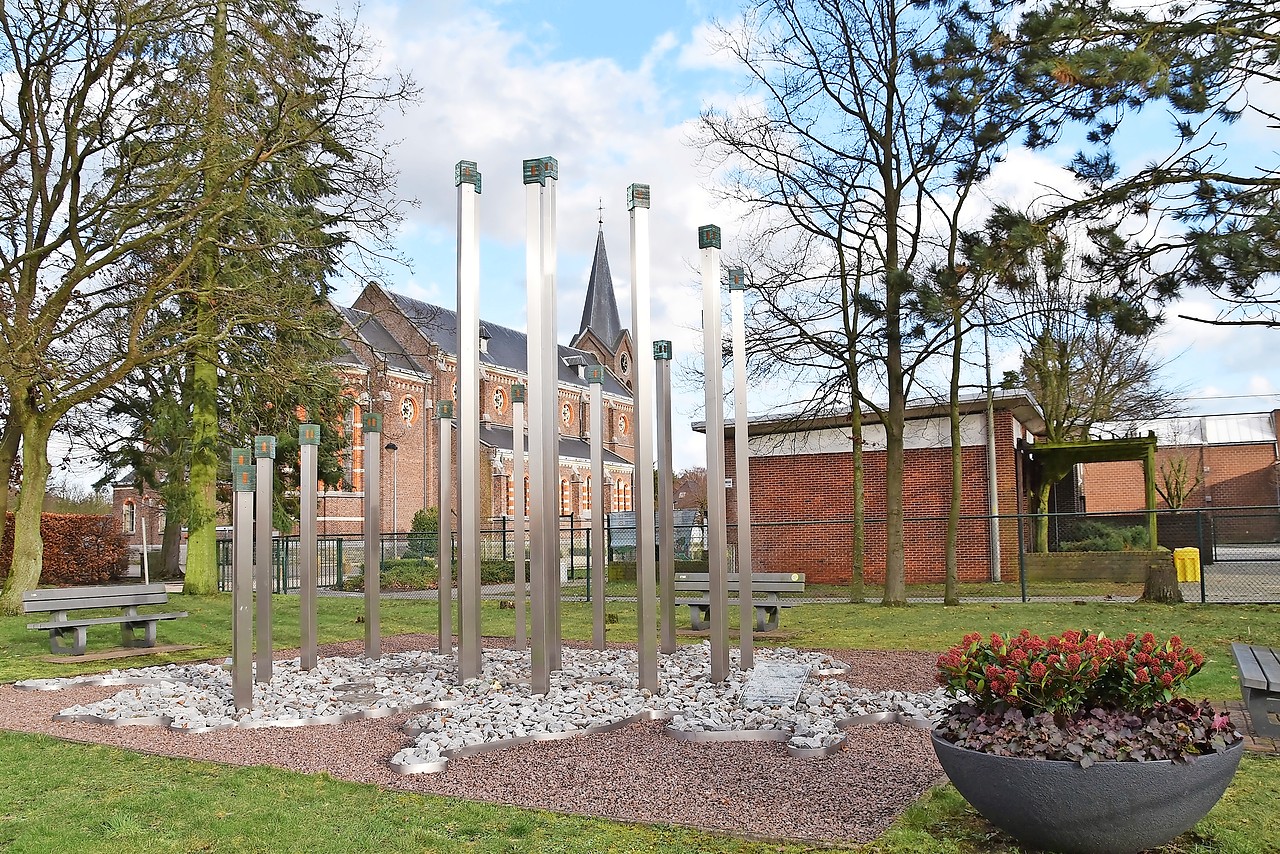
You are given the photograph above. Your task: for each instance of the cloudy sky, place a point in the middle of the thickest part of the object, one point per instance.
(612, 90)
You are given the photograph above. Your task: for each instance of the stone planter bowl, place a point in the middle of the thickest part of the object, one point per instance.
(1107, 808)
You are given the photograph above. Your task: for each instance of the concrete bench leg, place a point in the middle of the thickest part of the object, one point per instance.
(700, 617)
(766, 618)
(1264, 711)
(58, 648)
(129, 634)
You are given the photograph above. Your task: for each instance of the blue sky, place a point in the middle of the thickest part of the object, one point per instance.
(611, 89)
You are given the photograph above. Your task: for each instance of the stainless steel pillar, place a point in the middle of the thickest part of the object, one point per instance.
(467, 179)
(308, 444)
(264, 452)
(444, 545)
(244, 480)
(540, 178)
(666, 504)
(742, 467)
(709, 244)
(517, 476)
(595, 376)
(372, 533)
(646, 584)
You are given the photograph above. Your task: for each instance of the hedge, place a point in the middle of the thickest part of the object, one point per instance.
(78, 549)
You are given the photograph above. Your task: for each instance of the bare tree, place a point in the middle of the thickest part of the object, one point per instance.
(859, 149)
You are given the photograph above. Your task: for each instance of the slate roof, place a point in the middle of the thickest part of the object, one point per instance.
(571, 447)
(600, 311)
(376, 336)
(507, 348)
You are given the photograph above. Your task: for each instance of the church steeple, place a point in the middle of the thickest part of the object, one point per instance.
(600, 312)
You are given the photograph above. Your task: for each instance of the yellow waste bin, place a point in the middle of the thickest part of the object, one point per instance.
(1187, 563)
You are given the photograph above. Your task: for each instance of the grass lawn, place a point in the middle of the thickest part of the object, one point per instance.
(178, 805)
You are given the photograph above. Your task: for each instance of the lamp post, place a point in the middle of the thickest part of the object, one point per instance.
(395, 528)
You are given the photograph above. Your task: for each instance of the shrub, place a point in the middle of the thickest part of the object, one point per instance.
(1097, 537)
(78, 549)
(1080, 696)
(421, 574)
(424, 533)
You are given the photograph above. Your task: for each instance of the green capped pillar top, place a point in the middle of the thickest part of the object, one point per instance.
(737, 279)
(662, 350)
(595, 373)
(308, 434)
(264, 447)
(241, 458)
(372, 422)
(539, 169)
(466, 172)
(518, 393)
(637, 196)
(444, 409)
(244, 479)
(708, 237)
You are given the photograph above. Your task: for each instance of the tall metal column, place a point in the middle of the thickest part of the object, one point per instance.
(666, 505)
(717, 536)
(467, 179)
(540, 178)
(372, 533)
(646, 585)
(444, 533)
(308, 445)
(244, 480)
(595, 376)
(742, 467)
(517, 476)
(264, 452)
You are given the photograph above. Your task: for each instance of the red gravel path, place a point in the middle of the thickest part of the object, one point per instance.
(633, 774)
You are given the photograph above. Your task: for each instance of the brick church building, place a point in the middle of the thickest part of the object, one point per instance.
(401, 359)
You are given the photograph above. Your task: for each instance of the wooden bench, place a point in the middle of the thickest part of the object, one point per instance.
(127, 596)
(1260, 685)
(765, 587)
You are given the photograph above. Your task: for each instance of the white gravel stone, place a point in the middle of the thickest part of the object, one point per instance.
(595, 689)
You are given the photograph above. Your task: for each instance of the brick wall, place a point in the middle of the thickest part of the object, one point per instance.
(802, 507)
(1242, 475)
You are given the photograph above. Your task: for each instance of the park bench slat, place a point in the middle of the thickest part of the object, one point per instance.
(103, 621)
(81, 598)
(1251, 673)
(1270, 664)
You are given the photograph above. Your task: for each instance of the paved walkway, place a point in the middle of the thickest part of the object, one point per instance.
(1252, 742)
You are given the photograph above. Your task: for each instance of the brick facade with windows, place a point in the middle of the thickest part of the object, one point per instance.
(401, 358)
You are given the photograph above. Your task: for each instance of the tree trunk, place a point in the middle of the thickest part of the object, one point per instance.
(202, 557)
(170, 548)
(1162, 583)
(895, 585)
(28, 548)
(951, 594)
(857, 576)
(202, 567)
(1040, 524)
(8, 453)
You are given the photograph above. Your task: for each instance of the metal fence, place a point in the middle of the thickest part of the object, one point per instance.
(1090, 555)
(342, 557)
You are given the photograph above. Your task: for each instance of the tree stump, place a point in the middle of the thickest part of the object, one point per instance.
(1162, 582)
